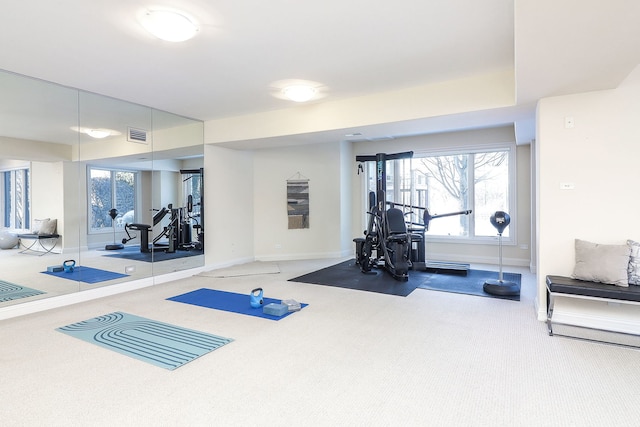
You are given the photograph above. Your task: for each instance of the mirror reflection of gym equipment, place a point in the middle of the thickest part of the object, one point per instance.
(185, 222)
(113, 214)
(390, 241)
(46, 149)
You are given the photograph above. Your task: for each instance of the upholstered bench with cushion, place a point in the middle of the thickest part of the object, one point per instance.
(609, 273)
(568, 287)
(42, 239)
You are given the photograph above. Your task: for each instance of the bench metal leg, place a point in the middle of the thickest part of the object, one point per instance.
(32, 248)
(550, 301)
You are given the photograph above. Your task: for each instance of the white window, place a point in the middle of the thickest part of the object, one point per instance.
(15, 198)
(111, 189)
(445, 183)
(192, 186)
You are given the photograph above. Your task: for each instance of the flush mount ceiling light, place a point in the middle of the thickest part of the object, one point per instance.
(299, 93)
(168, 25)
(97, 133)
(298, 90)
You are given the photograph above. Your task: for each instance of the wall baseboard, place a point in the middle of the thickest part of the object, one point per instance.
(302, 257)
(43, 304)
(475, 259)
(541, 310)
(515, 262)
(231, 263)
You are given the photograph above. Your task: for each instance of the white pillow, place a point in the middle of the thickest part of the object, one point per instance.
(602, 263)
(633, 270)
(48, 226)
(37, 224)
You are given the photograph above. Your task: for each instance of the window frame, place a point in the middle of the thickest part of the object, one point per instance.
(25, 197)
(187, 189)
(113, 171)
(471, 238)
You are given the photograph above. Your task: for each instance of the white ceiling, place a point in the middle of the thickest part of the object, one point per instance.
(353, 47)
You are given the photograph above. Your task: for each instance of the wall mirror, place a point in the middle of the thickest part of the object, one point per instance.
(118, 186)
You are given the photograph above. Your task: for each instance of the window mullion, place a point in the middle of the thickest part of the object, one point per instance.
(113, 193)
(471, 194)
(14, 188)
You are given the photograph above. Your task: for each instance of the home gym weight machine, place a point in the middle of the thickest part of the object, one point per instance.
(178, 231)
(388, 242)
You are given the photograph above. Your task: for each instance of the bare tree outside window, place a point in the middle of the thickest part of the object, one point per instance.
(491, 183)
(452, 183)
(110, 189)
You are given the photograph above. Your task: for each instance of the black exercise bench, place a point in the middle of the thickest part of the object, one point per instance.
(573, 288)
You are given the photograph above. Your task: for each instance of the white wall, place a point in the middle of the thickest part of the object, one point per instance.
(47, 190)
(75, 208)
(47, 194)
(599, 156)
(10, 164)
(321, 164)
(165, 189)
(24, 149)
(346, 197)
(228, 206)
(476, 93)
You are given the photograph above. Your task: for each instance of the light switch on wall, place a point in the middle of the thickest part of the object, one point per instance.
(567, 186)
(569, 122)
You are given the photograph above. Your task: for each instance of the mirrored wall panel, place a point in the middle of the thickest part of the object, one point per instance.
(95, 191)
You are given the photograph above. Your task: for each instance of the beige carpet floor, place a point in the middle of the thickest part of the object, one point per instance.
(350, 358)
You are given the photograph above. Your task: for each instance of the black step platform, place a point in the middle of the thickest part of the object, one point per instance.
(443, 267)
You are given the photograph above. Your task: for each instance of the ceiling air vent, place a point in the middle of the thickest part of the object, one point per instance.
(137, 135)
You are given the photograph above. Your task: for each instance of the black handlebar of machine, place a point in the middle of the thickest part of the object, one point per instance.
(427, 217)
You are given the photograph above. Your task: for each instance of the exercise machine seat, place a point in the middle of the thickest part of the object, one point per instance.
(396, 226)
(144, 230)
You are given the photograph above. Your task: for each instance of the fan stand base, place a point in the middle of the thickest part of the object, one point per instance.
(114, 247)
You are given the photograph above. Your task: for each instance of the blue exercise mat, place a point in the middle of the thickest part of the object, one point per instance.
(87, 275)
(470, 284)
(10, 291)
(161, 344)
(228, 301)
